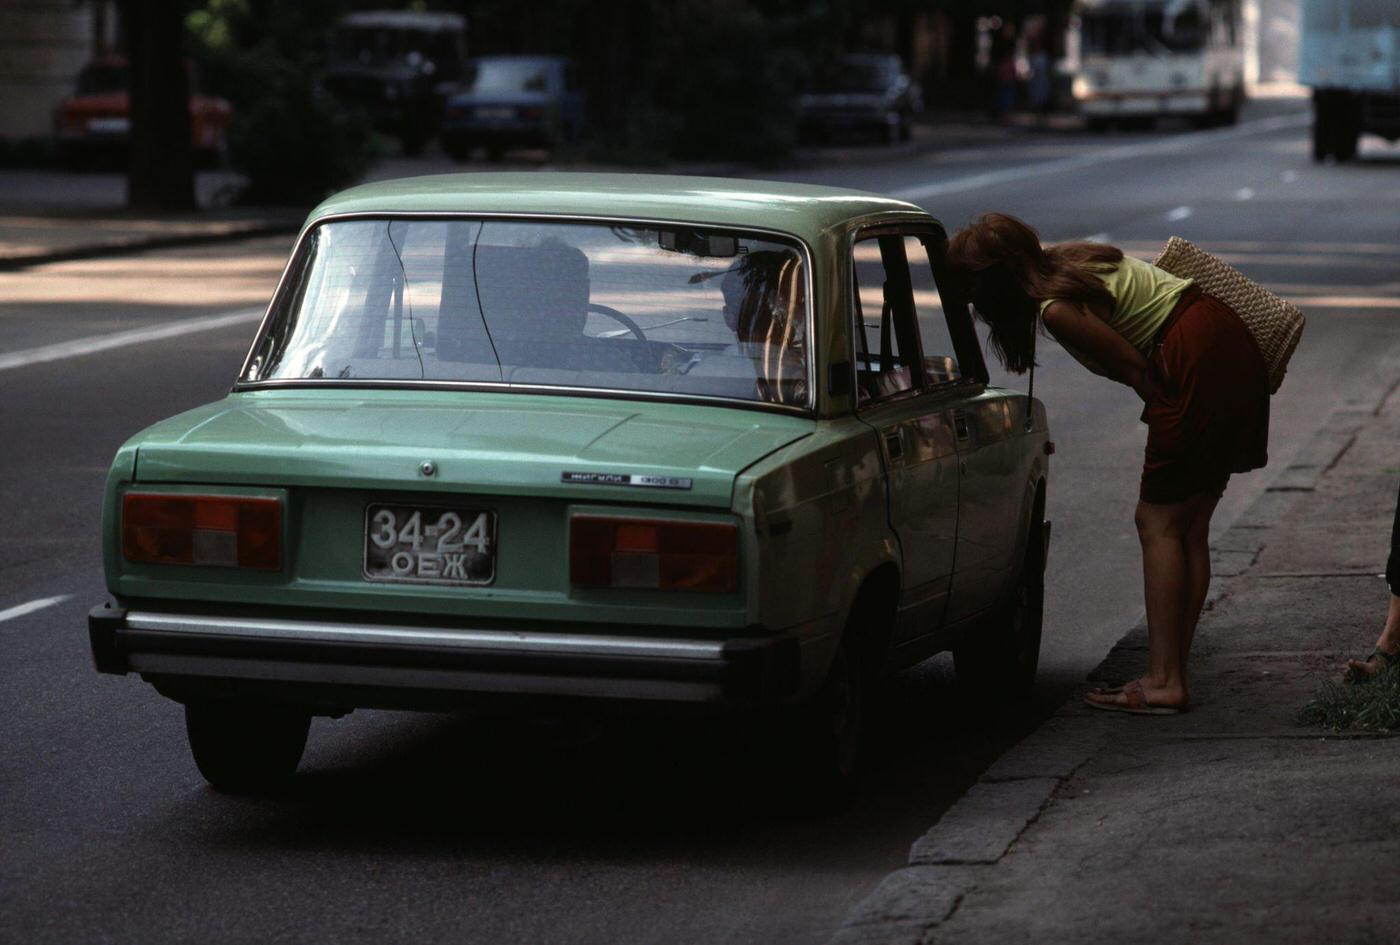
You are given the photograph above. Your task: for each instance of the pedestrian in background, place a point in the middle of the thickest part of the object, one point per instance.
(1386, 652)
(1039, 91)
(1004, 72)
(1205, 392)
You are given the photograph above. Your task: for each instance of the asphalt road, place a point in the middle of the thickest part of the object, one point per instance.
(428, 829)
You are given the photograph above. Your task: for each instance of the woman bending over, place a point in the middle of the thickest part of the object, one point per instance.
(1203, 383)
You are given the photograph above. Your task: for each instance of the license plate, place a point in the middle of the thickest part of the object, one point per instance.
(495, 114)
(415, 544)
(109, 126)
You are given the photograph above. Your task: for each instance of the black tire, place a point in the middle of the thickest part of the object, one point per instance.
(1231, 113)
(1346, 135)
(246, 748)
(1098, 125)
(1323, 125)
(831, 729)
(997, 661)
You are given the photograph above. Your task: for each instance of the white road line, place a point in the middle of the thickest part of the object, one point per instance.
(121, 339)
(1244, 193)
(1096, 238)
(29, 608)
(1183, 142)
(1178, 213)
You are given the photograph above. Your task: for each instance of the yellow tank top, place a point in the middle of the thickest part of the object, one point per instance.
(1143, 297)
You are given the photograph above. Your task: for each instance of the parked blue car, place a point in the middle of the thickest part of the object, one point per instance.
(513, 101)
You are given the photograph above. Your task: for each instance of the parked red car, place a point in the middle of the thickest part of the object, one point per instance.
(95, 122)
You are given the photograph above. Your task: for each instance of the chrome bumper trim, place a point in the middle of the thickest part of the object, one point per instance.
(484, 641)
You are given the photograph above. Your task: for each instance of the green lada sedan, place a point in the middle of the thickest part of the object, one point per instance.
(604, 437)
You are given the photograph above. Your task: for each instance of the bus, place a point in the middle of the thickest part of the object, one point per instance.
(1139, 60)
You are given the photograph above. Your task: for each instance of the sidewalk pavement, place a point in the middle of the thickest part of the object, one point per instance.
(30, 239)
(53, 215)
(1229, 823)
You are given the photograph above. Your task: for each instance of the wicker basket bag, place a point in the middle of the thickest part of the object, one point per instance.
(1276, 325)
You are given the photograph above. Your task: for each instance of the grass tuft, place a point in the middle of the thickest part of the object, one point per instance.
(1371, 706)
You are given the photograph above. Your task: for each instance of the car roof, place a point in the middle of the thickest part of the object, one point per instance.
(549, 60)
(404, 20)
(804, 210)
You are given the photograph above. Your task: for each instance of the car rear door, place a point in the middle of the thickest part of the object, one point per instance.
(986, 422)
(914, 422)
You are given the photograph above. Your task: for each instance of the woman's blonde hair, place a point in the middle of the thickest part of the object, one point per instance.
(1005, 273)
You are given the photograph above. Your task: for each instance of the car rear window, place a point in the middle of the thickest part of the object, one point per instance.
(688, 311)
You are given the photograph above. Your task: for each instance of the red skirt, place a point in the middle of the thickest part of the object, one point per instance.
(1214, 418)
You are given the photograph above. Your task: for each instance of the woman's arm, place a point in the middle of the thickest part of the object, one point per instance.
(1089, 333)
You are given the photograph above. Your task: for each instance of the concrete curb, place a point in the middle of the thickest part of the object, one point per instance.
(981, 827)
(233, 233)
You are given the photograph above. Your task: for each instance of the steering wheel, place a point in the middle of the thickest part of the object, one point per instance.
(614, 314)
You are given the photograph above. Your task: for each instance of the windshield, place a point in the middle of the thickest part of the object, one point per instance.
(1174, 28)
(855, 75)
(368, 45)
(98, 80)
(656, 309)
(508, 75)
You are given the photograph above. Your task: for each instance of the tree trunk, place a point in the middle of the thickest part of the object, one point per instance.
(160, 175)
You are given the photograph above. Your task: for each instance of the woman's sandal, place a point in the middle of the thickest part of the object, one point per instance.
(1136, 702)
(1387, 661)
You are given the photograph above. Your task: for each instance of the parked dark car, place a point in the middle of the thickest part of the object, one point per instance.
(398, 66)
(513, 101)
(94, 123)
(862, 93)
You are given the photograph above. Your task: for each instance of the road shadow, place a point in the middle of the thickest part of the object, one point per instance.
(632, 785)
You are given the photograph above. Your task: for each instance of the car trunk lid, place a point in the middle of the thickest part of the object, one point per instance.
(579, 448)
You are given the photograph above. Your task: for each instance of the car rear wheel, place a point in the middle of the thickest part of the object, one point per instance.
(997, 662)
(244, 748)
(832, 729)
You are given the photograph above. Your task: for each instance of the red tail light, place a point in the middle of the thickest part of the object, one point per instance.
(220, 531)
(671, 556)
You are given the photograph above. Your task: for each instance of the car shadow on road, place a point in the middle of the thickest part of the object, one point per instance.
(637, 786)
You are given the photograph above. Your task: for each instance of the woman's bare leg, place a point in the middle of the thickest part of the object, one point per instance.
(1197, 567)
(1389, 642)
(1169, 588)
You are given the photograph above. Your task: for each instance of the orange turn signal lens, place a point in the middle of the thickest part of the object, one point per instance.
(217, 531)
(671, 556)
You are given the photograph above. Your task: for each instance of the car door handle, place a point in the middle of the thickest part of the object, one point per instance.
(960, 425)
(894, 444)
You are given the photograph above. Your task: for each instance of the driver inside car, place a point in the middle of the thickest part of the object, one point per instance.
(763, 306)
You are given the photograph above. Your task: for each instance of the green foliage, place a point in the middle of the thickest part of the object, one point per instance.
(726, 87)
(292, 142)
(678, 79)
(1371, 705)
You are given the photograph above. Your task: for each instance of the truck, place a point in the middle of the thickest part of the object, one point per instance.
(1350, 57)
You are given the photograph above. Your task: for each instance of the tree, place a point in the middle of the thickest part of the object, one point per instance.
(160, 175)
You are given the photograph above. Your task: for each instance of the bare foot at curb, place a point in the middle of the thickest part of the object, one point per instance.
(1364, 669)
(1160, 697)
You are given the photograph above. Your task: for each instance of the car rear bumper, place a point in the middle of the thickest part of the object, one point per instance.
(1130, 104)
(360, 657)
(522, 134)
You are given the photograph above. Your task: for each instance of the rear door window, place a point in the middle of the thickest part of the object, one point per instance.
(886, 339)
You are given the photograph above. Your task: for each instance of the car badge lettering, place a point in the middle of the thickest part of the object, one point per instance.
(626, 479)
